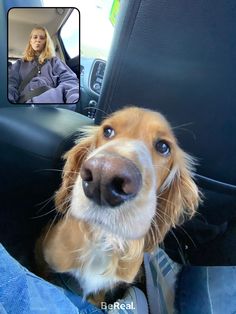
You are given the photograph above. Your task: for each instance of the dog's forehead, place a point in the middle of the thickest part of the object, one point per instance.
(137, 118)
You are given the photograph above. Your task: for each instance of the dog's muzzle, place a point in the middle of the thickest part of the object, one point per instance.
(110, 180)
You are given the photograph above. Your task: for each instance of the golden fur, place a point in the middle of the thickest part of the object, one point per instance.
(105, 246)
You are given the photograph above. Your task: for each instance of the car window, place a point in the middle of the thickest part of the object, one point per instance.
(96, 37)
(69, 34)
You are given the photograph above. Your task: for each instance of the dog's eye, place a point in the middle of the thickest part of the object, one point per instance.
(108, 132)
(162, 147)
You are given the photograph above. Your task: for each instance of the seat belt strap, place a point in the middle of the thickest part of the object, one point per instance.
(36, 70)
(28, 78)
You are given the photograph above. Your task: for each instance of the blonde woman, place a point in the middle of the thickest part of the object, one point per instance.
(40, 77)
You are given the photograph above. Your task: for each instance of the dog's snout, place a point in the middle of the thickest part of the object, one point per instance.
(110, 180)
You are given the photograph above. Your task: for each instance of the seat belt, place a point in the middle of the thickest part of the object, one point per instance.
(37, 91)
(28, 78)
(33, 93)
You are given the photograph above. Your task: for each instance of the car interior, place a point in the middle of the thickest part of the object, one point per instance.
(179, 60)
(174, 57)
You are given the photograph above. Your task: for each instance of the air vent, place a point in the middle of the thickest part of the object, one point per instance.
(97, 75)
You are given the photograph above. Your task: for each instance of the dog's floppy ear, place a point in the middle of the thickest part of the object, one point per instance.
(177, 201)
(74, 159)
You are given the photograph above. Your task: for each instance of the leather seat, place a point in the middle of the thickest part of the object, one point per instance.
(178, 58)
(33, 141)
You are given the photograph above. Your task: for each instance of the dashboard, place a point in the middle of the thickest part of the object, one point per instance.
(91, 79)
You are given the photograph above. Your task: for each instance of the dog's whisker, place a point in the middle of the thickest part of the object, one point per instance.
(44, 203)
(159, 217)
(160, 213)
(188, 235)
(165, 200)
(66, 211)
(50, 169)
(69, 187)
(50, 227)
(155, 232)
(45, 214)
(71, 172)
(182, 125)
(181, 253)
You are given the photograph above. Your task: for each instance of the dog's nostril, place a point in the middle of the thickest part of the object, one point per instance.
(118, 186)
(87, 175)
(123, 188)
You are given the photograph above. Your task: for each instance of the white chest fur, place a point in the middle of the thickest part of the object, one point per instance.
(98, 271)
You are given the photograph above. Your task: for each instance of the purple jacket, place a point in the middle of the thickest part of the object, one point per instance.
(54, 73)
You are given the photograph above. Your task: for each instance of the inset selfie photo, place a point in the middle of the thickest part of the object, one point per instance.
(43, 55)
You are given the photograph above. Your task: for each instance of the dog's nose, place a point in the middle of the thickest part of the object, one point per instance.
(110, 180)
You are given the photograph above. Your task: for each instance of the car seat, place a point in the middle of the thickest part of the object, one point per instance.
(178, 58)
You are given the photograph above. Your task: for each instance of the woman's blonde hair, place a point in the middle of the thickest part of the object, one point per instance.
(48, 51)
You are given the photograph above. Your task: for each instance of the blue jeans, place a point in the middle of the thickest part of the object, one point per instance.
(188, 289)
(198, 290)
(206, 290)
(23, 292)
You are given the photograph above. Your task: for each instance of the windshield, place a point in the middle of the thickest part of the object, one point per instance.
(96, 28)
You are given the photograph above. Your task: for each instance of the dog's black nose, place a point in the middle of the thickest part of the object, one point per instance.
(110, 180)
